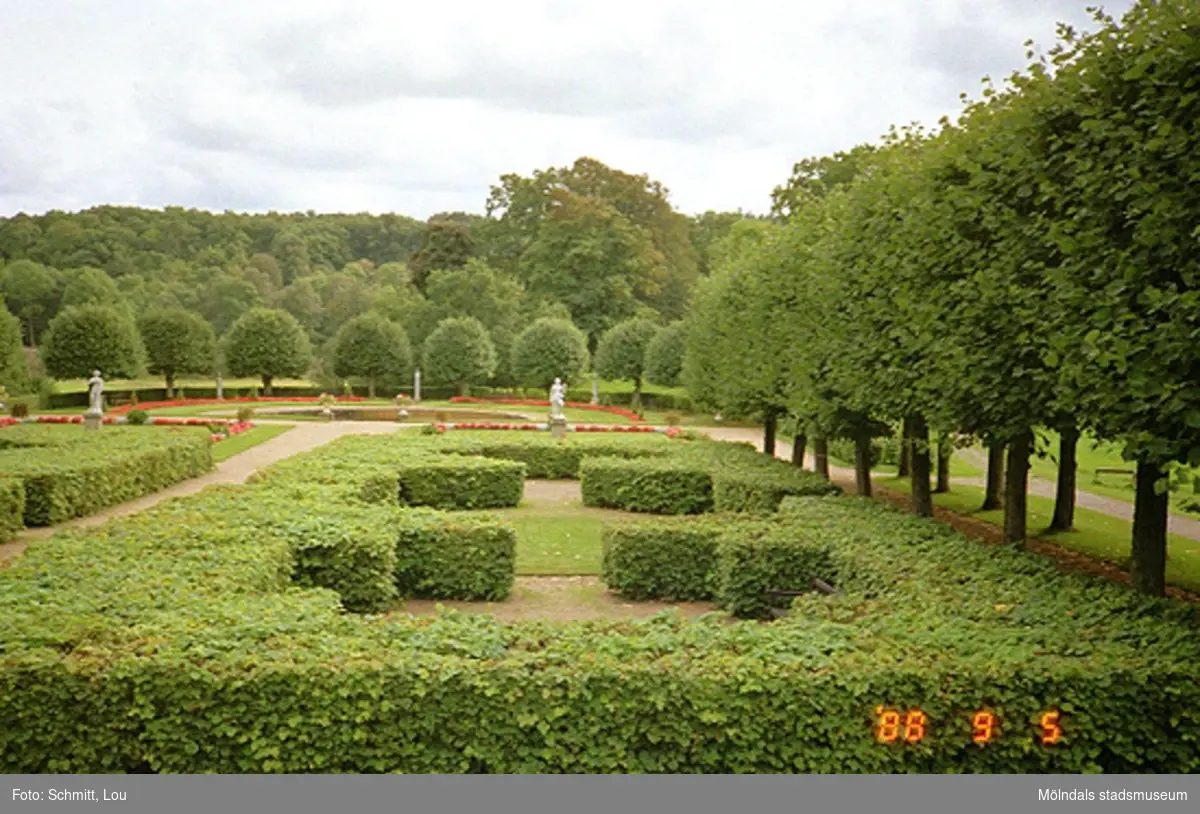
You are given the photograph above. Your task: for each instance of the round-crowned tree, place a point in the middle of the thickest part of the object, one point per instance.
(621, 353)
(178, 342)
(548, 349)
(372, 347)
(664, 355)
(92, 337)
(459, 352)
(91, 286)
(267, 343)
(14, 372)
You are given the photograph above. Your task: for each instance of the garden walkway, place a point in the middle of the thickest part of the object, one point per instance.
(1182, 526)
(302, 437)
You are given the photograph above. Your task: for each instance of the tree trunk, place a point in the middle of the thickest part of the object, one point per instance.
(266, 380)
(918, 460)
(905, 464)
(1149, 555)
(170, 386)
(1064, 496)
(799, 442)
(464, 388)
(770, 420)
(1016, 486)
(945, 453)
(32, 338)
(862, 465)
(995, 478)
(636, 402)
(821, 456)
(371, 386)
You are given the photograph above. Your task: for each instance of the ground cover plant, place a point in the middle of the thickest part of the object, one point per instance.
(211, 634)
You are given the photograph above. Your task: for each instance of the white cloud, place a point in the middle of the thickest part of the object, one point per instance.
(417, 108)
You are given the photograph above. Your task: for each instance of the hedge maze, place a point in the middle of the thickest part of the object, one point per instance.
(238, 631)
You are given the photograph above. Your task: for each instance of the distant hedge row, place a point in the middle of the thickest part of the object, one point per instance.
(49, 474)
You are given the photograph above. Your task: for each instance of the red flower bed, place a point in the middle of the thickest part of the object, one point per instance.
(578, 405)
(158, 405)
(611, 428)
(493, 426)
(8, 421)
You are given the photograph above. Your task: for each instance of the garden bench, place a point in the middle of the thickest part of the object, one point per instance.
(1108, 470)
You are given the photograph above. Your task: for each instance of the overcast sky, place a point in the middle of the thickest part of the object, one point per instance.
(417, 107)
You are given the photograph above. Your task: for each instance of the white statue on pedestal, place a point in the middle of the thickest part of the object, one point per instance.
(558, 392)
(96, 394)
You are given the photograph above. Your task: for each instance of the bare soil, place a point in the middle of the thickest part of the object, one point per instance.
(561, 599)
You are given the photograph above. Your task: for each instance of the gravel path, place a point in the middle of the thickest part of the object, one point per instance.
(301, 438)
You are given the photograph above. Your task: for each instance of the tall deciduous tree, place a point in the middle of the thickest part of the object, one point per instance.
(664, 355)
(445, 244)
(268, 343)
(459, 352)
(178, 342)
(549, 349)
(373, 348)
(592, 259)
(90, 286)
(30, 292)
(621, 353)
(90, 337)
(14, 372)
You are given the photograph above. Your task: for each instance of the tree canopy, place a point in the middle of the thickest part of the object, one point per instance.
(84, 338)
(268, 343)
(549, 349)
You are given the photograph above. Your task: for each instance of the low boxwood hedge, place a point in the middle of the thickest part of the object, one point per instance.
(662, 559)
(12, 507)
(726, 558)
(455, 482)
(557, 459)
(74, 473)
(753, 564)
(760, 491)
(656, 485)
(447, 556)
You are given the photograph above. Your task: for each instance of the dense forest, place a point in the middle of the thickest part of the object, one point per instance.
(586, 243)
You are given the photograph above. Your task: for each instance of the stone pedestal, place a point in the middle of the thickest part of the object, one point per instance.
(327, 414)
(558, 427)
(93, 421)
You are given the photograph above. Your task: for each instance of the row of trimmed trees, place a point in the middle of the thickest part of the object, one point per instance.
(271, 343)
(1034, 264)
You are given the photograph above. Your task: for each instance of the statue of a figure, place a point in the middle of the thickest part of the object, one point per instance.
(96, 393)
(558, 394)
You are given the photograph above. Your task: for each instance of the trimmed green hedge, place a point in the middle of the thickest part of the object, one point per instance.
(557, 459)
(74, 473)
(750, 565)
(662, 559)
(443, 556)
(161, 642)
(12, 507)
(658, 486)
(726, 558)
(761, 491)
(456, 482)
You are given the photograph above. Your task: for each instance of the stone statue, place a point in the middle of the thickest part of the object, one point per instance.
(96, 394)
(558, 393)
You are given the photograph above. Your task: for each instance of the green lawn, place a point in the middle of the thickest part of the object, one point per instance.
(559, 539)
(1098, 535)
(959, 468)
(250, 438)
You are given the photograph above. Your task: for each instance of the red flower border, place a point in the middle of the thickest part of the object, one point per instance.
(578, 405)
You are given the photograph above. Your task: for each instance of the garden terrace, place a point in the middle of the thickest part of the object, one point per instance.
(51, 474)
(210, 635)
